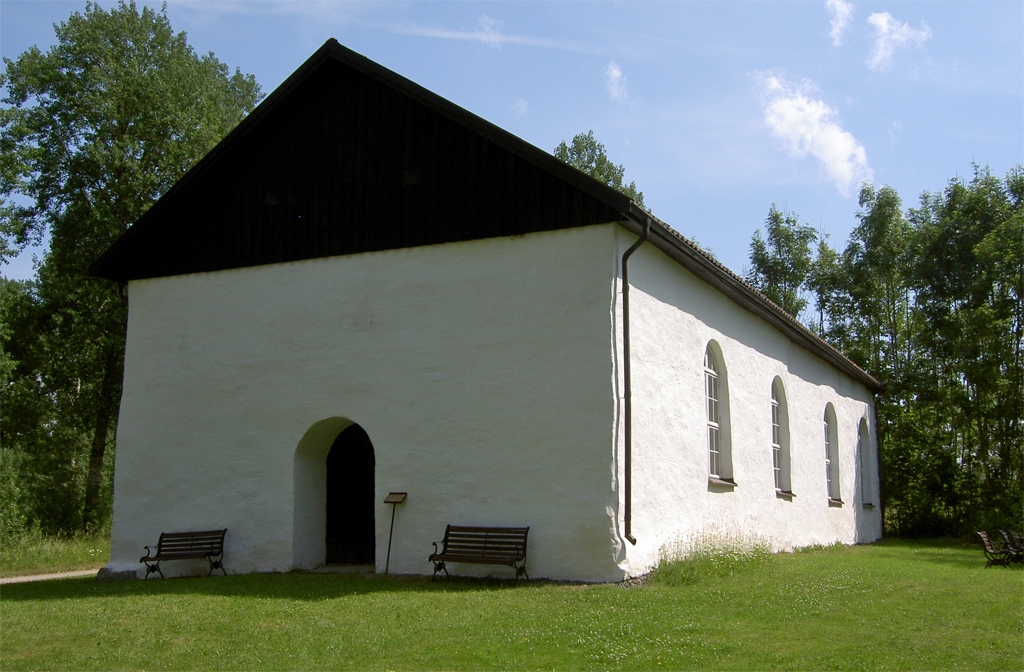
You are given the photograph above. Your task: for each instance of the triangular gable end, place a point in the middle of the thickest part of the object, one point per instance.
(348, 157)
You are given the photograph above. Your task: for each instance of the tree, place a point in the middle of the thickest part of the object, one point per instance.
(968, 278)
(877, 262)
(94, 131)
(932, 304)
(587, 155)
(780, 265)
(12, 510)
(828, 283)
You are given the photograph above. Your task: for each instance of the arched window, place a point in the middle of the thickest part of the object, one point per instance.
(866, 473)
(831, 455)
(716, 392)
(714, 424)
(780, 438)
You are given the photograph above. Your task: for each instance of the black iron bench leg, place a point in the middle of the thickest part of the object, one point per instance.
(521, 570)
(216, 564)
(152, 569)
(439, 566)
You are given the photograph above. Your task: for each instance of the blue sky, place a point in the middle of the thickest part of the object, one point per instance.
(716, 109)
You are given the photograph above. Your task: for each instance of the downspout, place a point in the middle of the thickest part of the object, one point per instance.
(628, 383)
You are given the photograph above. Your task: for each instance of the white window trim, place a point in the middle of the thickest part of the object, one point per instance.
(714, 417)
(716, 397)
(831, 460)
(866, 491)
(776, 441)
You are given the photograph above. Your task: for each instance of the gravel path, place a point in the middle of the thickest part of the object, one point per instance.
(46, 577)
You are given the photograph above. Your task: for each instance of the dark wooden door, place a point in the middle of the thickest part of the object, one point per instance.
(350, 500)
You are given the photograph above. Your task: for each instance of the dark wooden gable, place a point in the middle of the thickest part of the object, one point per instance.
(348, 157)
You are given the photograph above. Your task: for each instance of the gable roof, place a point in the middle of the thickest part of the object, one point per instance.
(383, 163)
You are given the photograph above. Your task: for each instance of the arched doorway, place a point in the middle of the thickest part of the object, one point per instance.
(350, 537)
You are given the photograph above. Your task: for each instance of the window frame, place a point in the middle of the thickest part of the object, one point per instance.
(864, 456)
(713, 414)
(776, 440)
(831, 432)
(716, 408)
(780, 445)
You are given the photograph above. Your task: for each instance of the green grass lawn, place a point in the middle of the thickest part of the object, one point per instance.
(894, 605)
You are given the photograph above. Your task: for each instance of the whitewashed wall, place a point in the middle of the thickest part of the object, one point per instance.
(479, 370)
(488, 376)
(674, 316)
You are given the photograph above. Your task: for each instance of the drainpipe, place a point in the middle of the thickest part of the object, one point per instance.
(628, 384)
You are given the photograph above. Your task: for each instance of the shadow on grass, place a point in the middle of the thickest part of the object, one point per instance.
(314, 587)
(954, 552)
(303, 586)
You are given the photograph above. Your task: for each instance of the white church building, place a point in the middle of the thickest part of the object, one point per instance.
(366, 289)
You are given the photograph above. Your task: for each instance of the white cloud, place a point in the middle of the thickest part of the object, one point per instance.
(891, 35)
(488, 31)
(806, 125)
(521, 106)
(895, 130)
(842, 14)
(615, 81)
(322, 10)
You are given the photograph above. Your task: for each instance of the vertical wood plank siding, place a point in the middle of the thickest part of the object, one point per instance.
(346, 164)
(346, 157)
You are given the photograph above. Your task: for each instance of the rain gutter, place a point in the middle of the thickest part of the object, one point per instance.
(628, 387)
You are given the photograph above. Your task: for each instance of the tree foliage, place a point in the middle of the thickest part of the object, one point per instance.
(780, 265)
(968, 277)
(587, 155)
(93, 131)
(931, 303)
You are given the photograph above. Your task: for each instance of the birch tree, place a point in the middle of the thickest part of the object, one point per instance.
(93, 131)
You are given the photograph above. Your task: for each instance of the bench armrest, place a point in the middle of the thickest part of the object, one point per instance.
(149, 552)
(435, 546)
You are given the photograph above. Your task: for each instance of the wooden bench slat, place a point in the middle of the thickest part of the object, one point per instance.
(472, 551)
(484, 551)
(510, 556)
(484, 542)
(479, 560)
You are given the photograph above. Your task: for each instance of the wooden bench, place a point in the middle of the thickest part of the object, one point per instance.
(1013, 545)
(205, 545)
(482, 545)
(995, 556)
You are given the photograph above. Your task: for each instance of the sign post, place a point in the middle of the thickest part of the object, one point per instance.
(393, 498)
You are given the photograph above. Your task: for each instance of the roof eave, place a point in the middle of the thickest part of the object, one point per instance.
(688, 255)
